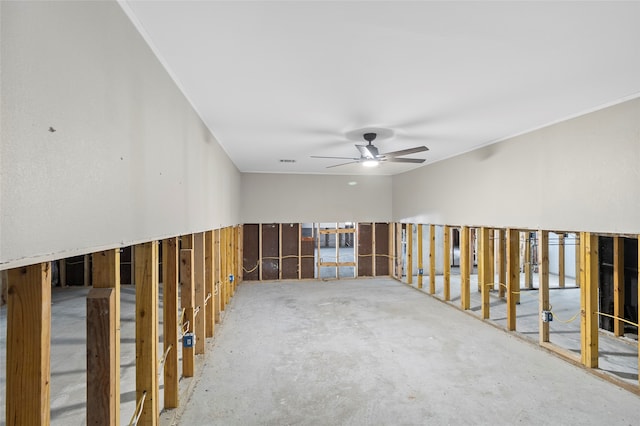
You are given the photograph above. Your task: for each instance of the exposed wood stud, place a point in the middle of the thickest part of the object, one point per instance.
(513, 276)
(146, 270)
(543, 278)
(170, 278)
(583, 340)
(465, 261)
(484, 269)
(217, 276)
(578, 259)
(528, 270)
(28, 345)
(106, 274)
(209, 285)
(491, 275)
(187, 300)
(200, 296)
(432, 259)
(446, 267)
(102, 371)
(399, 259)
(409, 253)
(589, 311)
(561, 261)
(502, 263)
(420, 261)
(618, 285)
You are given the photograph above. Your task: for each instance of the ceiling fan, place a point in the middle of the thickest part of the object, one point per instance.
(370, 157)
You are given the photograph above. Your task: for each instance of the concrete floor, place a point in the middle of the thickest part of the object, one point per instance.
(368, 351)
(374, 351)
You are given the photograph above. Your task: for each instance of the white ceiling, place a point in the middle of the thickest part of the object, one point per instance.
(287, 80)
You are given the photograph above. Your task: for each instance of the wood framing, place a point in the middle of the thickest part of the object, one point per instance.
(589, 309)
(209, 287)
(513, 276)
(561, 261)
(106, 274)
(491, 272)
(381, 248)
(366, 259)
(618, 285)
(28, 345)
(217, 275)
(446, 262)
(502, 263)
(187, 301)
(578, 259)
(583, 341)
(398, 252)
(171, 279)
(432, 259)
(224, 277)
(543, 278)
(528, 281)
(199, 286)
(465, 263)
(409, 253)
(146, 270)
(290, 249)
(484, 268)
(270, 260)
(102, 357)
(420, 262)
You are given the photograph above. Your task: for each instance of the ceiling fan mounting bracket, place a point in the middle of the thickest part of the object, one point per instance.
(369, 137)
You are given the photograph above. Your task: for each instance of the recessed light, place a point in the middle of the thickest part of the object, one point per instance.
(352, 183)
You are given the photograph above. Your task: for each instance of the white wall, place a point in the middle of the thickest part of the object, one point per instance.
(582, 174)
(130, 160)
(314, 198)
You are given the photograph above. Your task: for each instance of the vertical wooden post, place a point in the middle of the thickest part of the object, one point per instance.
(491, 273)
(583, 340)
(502, 264)
(465, 261)
(420, 262)
(209, 286)
(513, 276)
(399, 259)
(106, 274)
(618, 285)
(240, 253)
(578, 259)
(484, 268)
(543, 278)
(432, 259)
(102, 372)
(170, 278)
(561, 272)
(392, 249)
(28, 345)
(187, 301)
(528, 277)
(146, 265)
(198, 275)
(280, 250)
(229, 262)
(446, 260)
(223, 266)
(589, 311)
(62, 272)
(409, 253)
(87, 270)
(216, 273)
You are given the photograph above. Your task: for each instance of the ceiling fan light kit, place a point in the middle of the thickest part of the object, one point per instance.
(371, 157)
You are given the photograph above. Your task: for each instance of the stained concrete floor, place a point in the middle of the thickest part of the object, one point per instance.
(377, 352)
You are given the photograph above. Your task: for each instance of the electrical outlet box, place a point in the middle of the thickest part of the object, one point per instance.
(420, 271)
(231, 278)
(546, 316)
(188, 340)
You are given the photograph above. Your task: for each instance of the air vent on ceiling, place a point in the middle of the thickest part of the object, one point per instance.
(287, 161)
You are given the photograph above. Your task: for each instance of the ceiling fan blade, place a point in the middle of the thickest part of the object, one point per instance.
(366, 152)
(342, 164)
(404, 160)
(335, 158)
(404, 152)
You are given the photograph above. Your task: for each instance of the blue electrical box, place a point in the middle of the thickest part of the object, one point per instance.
(420, 271)
(231, 278)
(188, 340)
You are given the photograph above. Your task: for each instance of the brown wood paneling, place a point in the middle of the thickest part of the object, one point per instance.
(290, 244)
(307, 263)
(365, 250)
(270, 251)
(251, 254)
(382, 249)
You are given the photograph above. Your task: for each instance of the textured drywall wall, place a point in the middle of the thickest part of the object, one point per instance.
(129, 159)
(582, 174)
(314, 198)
